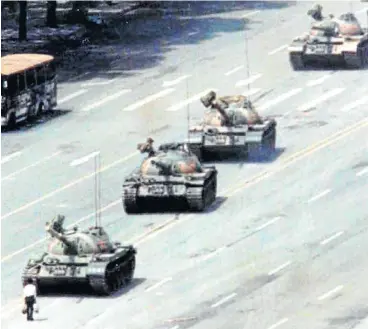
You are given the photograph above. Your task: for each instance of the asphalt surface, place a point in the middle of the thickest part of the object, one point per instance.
(285, 244)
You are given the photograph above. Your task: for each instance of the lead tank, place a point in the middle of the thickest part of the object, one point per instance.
(170, 174)
(81, 257)
(230, 123)
(331, 40)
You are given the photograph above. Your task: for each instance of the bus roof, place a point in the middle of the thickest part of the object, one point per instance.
(11, 64)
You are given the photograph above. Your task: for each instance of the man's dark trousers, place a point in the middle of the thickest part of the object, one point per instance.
(30, 301)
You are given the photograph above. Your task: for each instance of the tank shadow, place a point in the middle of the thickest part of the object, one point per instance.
(320, 66)
(84, 291)
(31, 124)
(255, 156)
(177, 207)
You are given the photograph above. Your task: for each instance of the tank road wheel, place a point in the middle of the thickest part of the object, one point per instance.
(296, 62)
(269, 142)
(199, 199)
(131, 201)
(128, 271)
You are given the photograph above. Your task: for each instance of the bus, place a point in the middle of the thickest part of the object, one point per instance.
(28, 87)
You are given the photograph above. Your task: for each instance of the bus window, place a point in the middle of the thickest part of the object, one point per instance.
(21, 82)
(40, 74)
(50, 71)
(31, 78)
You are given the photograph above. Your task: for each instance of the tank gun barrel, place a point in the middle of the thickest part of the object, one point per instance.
(56, 230)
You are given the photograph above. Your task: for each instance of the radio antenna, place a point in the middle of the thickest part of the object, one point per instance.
(188, 112)
(247, 55)
(97, 190)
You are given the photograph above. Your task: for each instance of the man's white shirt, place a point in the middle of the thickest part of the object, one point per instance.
(29, 290)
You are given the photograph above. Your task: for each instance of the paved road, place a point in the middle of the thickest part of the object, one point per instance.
(284, 247)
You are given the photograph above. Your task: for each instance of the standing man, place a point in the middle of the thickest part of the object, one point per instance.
(30, 294)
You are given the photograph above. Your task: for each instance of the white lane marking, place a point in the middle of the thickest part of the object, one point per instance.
(361, 11)
(106, 99)
(246, 82)
(32, 165)
(251, 13)
(278, 269)
(355, 104)
(192, 99)
(148, 99)
(175, 327)
(362, 172)
(279, 323)
(251, 92)
(193, 33)
(158, 284)
(108, 206)
(71, 96)
(330, 293)
(270, 222)
(277, 50)
(318, 196)
(98, 83)
(224, 300)
(234, 70)
(333, 237)
(84, 159)
(9, 157)
(318, 81)
(176, 81)
(280, 99)
(322, 98)
(212, 254)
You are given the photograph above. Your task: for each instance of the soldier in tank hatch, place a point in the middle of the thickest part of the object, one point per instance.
(147, 147)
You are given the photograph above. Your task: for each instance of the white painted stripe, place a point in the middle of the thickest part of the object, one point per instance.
(71, 96)
(106, 99)
(280, 99)
(330, 293)
(234, 70)
(333, 237)
(224, 300)
(175, 82)
(279, 323)
(318, 81)
(32, 165)
(193, 33)
(212, 254)
(322, 98)
(320, 195)
(98, 83)
(158, 284)
(246, 82)
(251, 13)
(361, 11)
(79, 76)
(84, 159)
(277, 50)
(148, 99)
(175, 327)
(270, 222)
(192, 99)
(251, 92)
(362, 172)
(278, 269)
(355, 104)
(9, 157)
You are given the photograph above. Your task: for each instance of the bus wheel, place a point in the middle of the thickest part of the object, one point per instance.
(12, 121)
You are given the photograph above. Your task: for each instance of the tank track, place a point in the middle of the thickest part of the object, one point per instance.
(358, 61)
(130, 201)
(198, 200)
(269, 142)
(296, 62)
(118, 276)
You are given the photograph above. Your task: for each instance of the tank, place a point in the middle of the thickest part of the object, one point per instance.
(330, 40)
(230, 123)
(87, 258)
(173, 175)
